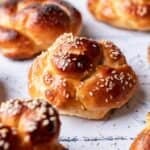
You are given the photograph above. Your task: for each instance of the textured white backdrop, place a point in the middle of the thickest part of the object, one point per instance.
(118, 131)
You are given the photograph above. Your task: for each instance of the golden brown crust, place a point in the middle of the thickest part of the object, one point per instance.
(29, 125)
(82, 77)
(142, 142)
(129, 14)
(33, 25)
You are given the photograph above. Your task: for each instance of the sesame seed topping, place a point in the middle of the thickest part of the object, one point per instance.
(114, 79)
(5, 132)
(31, 126)
(113, 50)
(11, 107)
(44, 114)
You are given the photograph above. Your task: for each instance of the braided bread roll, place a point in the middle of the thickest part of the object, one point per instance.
(129, 14)
(142, 142)
(82, 77)
(29, 26)
(29, 125)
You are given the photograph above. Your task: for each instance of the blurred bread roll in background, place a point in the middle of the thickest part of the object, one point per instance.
(29, 26)
(128, 14)
(29, 125)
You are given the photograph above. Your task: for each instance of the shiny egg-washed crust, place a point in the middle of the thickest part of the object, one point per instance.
(29, 125)
(129, 14)
(29, 26)
(82, 77)
(142, 142)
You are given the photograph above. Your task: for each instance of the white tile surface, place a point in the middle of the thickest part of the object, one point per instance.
(116, 133)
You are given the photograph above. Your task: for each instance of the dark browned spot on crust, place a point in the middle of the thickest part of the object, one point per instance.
(48, 15)
(80, 56)
(72, 63)
(75, 14)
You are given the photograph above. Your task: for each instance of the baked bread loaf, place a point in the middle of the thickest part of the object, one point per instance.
(82, 77)
(129, 14)
(29, 125)
(142, 142)
(29, 26)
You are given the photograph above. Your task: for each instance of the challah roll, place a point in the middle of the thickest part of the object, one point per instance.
(29, 26)
(128, 14)
(82, 77)
(29, 125)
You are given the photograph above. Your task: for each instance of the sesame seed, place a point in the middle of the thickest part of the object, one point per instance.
(45, 122)
(6, 145)
(91, 93)
(51, 111)
(67, 95)
(94, 45)
(106, 100)
(31, 126)
(2, 143)
(114, 71)
(102, 85)
(142, 11)
(126, 82)
(52, 118)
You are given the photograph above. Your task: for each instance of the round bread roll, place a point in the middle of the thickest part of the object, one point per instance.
(29, 125)
(82, 77)
(128, 14)
(142, 142)
(29, 26)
